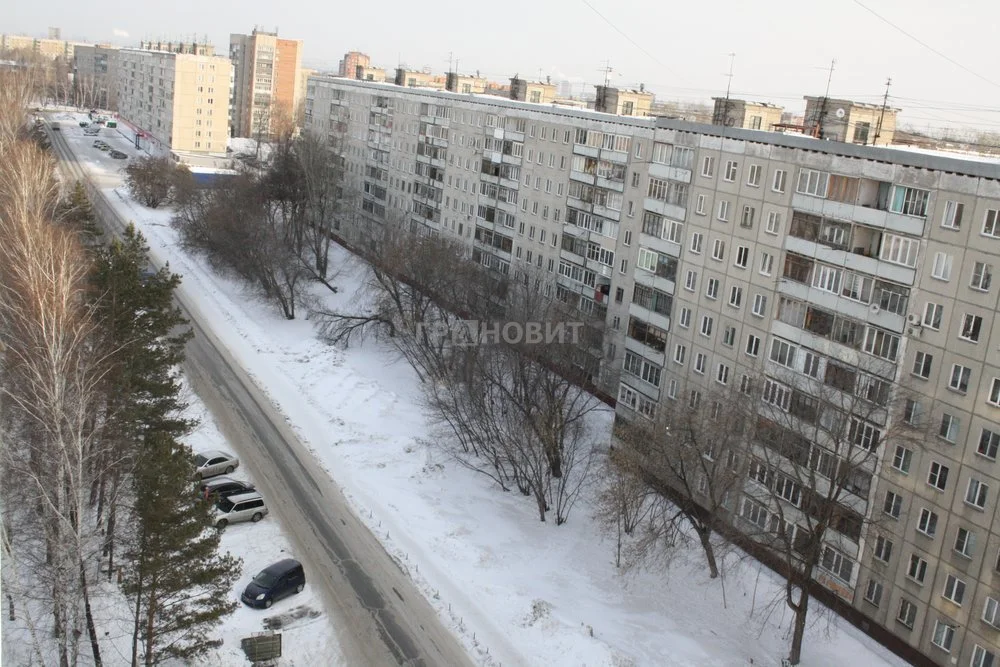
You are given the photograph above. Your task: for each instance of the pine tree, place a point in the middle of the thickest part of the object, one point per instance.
(77, 212)
(143, 338)
(177, 583)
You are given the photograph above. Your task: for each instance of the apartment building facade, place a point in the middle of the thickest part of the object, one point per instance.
(717, 255)
(267, 83)
(745, 114)
(95, 74)
(852, 122)
(176, 101)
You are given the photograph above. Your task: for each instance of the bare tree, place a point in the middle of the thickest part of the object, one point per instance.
(695, 452)
(150, 179)
(817, 439)
(623, 501)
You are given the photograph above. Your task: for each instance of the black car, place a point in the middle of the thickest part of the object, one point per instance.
(274, 583)
(118, 155)
(217, 488)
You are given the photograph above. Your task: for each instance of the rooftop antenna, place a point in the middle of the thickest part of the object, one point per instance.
(607, 69)
(826, 97)
(450, 54)
(729, 85)
(881, 116)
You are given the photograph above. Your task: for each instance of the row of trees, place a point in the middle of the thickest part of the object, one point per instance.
(95, 477)
(789, 459)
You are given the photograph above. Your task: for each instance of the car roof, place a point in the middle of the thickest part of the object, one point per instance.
(282, 566)
(249, 495)
(218, 481)
(212, 453)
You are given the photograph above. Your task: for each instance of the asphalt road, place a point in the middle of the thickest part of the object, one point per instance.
(378, 614)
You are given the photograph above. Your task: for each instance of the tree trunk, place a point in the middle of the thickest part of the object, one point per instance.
(137, 624)
(801, 609)
(150, 631)
(91, 629)
(705, 535)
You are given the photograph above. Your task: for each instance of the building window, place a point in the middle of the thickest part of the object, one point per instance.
(902, 458)
(729, 336)
(937, 476)
(883, 549)
(949, 428)
(723, 212)
(941, 268)
(753, 345)
(746, 385)
(708, 166)
(983, 658)
(753, 175)
(960, 376)
(722, 374)
(952, 218)
(922, 365)
(976, 493)
(991, 612)
(899, 250)
(706, 325)
(965, 542)
(700, 206)
(773, 222)
(991, 224)
(812, 182)
(954, 589)
(712, 289)
(697, 240)
(685, 318)
(994, 395)
(971, 327)
(944, 633)
(699, 363)
(680, 354)
(759, 305)
(933, 312)
(766, 263)
(731, 169)
(873, 592)
(690, 280)
(742, 256)
(719, 250)
(917, 569)
(778, 182)
(893, 504)
(907, 613)
(736, 296)
(982, 276)
(913, 412)
(927, 522)
(989, 442)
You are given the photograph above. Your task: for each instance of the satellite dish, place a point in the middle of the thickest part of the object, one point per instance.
(841, 113)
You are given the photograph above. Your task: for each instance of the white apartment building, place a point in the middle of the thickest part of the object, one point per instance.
(175, 101)
(715, 253)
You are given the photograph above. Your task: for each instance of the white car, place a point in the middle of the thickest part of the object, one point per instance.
(214, 462)
(242, 507)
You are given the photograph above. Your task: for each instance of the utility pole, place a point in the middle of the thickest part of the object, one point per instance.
(881, 116)
(826, 96)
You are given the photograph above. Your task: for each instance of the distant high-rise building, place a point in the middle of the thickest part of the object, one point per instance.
(267, 82)
(174, 101)
(352, 64)
(55, 33)
(95, 75)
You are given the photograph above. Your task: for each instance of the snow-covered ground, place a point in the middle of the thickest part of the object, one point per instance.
(526, 592)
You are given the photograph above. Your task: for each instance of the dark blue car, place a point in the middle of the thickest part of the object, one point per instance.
(274, 583)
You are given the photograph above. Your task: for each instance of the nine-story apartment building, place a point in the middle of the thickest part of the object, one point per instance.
(718, 255)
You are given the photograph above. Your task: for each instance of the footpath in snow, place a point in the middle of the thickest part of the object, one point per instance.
(528, 593)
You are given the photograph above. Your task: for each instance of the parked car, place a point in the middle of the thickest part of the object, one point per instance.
(84, 123)
(238, 508)
(56, 128)
(118, 155)
(273, 583)
(214, 462)
(217, 488)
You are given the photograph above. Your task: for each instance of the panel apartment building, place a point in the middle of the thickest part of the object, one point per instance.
(267, 82)
(715, 253)
(175, 101)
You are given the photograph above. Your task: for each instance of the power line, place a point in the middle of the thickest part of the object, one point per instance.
(925, 44)
(631, 41)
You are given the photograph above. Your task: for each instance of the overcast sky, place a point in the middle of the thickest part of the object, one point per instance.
(783, 50)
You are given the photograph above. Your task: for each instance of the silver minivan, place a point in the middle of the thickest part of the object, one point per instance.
(242, 507)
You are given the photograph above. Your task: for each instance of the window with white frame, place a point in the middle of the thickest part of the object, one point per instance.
(922, 363)
(933, 313)
(883, 548)
(873, 592)
(708, 166)
(746, 384)
(699, 363)
(723, 211)
(982, 276)
(754, 175)
(991, 611)
(700, 205)
(944, 634)
(971, 327)
(902, 459)
(838, 564)
(736, 296)
(690, 280)
(722, 374)
(937, 476)
(899, 250)
(753, 345)
(766, 263)
(991, 223)
(712, 288)
(826, 278)
(949, 428)
(706, 325)
(893, 504)
(941, 268)
(746, 219)
(680, 354)
(989, 443)
(994, 395)
(731, 169)
(907, 613)
(976, 493)
(685, 319)
(759, 305)
(812, 182)
(909, 201)
(672, 389)
(927, 522)
(917, 569)
(960, 376)
(952, 217)
(965, 542)
(778, 181)
(719, 250)
(777, 394)
(983, 658)
(697, 240)
(783, 352)
(729, 336)
(742, 256)
(773, 222)
(913, 412)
